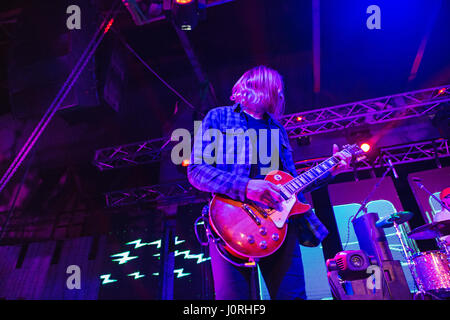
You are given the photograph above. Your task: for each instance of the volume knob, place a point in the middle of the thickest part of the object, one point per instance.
(263, 245)
(251, 239)
(275, 237)
(263, 231)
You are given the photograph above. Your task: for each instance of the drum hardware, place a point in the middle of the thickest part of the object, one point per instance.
(444, 247)
(394, 220)
(372, 239)
(432, 267)
(435, 268)
(431, 230)
(434, 272)
(434, 230)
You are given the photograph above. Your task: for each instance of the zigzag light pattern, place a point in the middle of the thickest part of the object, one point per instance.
(124, 257)
(187, 255)
(136, 275)
(106, 279)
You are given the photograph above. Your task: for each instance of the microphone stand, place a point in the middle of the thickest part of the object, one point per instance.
(369, 196)
(421, 186)
(363, 207)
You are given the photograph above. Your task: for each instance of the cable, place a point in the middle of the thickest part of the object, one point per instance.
(363, 206)
(62, 93)
(125, 43)
(348, 232)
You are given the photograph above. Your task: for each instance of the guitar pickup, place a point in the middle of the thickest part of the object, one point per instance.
(251, 214)
(260, 210)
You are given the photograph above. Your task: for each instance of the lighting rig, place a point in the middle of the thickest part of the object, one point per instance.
(349, 274)
(185, 13)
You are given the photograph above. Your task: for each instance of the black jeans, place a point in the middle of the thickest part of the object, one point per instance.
(282, 272)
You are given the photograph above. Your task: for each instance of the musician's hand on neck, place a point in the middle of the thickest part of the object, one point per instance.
(345, 160)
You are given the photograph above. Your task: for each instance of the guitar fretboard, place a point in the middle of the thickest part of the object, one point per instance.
(302, 181)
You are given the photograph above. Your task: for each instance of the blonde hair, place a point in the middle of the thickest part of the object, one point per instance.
(260, 86)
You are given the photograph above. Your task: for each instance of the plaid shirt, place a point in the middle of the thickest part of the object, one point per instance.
(216, 176)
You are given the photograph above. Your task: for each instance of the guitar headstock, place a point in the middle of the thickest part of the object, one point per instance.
(357, 153)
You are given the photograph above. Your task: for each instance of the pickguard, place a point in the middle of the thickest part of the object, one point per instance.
(279, 217)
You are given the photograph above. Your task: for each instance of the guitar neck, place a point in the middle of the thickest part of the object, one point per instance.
(308, 177)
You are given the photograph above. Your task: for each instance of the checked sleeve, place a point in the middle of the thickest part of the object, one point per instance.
(202, 171)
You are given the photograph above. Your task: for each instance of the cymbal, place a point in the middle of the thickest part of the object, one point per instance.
(431, 230)
(397, 217)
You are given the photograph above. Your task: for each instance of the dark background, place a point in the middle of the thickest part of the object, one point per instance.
(61, 193)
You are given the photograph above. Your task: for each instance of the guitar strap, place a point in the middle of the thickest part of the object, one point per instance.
(214, 239)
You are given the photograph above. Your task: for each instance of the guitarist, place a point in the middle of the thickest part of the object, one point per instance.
(259, 101)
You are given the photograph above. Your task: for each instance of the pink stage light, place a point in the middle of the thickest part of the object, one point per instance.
(108, 26)
(365, 147)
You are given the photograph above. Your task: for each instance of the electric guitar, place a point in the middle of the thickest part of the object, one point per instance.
(252, 230)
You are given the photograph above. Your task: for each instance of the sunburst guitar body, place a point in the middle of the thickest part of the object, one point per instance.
(250, 230)
(253, 230)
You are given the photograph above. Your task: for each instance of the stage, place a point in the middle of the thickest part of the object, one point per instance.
(115, 122)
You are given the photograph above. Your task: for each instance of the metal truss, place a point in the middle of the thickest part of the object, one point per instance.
(400, 154)
(159, 195)
(374, 111)
(140, 18)
(183, 192)
(389, 108)
(130, 154)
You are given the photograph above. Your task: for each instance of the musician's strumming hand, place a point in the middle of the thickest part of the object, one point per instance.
(345, 160)
(265, 192)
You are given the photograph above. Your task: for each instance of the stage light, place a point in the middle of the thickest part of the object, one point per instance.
(363, 138)
(349, 275)
(184, 164)
(186, 14)
(351, 264)
(365, 147)
(441, 91)
(299, 118)
(108, 26)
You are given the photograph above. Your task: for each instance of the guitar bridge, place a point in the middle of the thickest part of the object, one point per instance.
(260, 210)
(251, 214)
